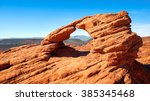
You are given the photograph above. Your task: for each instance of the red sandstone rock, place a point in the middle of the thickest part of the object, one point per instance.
(62, 33)
(105, 24)
(144, 51)
(58, 35)
(108, 58)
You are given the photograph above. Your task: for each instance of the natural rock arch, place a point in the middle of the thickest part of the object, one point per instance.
(62, 33)
(111, 33)
(99, 27)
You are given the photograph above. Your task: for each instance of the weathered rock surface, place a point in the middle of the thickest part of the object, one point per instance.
(62, 33)
(108, 58)
(144, 51)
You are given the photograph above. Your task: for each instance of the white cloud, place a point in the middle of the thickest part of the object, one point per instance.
(141, 29)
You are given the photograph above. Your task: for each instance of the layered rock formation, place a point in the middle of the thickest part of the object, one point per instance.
(110, 58)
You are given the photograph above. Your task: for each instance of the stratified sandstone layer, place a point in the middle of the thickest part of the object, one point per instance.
(108, 58)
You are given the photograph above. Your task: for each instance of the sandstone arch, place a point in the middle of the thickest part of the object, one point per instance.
(96, 26)
(100, 27)
(62, 33)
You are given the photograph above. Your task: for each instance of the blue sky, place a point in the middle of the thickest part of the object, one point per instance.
(37, 18)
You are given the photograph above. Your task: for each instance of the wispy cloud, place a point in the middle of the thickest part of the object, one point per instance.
(141, 29)
(140, 21)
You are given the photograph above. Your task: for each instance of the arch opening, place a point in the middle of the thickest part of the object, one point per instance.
(79, 37)
(75, 46)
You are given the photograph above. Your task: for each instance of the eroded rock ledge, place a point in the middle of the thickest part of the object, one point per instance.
(110, 58)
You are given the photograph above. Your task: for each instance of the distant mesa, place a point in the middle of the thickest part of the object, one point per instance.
(109, 58)
(81, 37)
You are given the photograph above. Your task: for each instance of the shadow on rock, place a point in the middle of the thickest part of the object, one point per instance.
(147, 67)
(69, 52)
